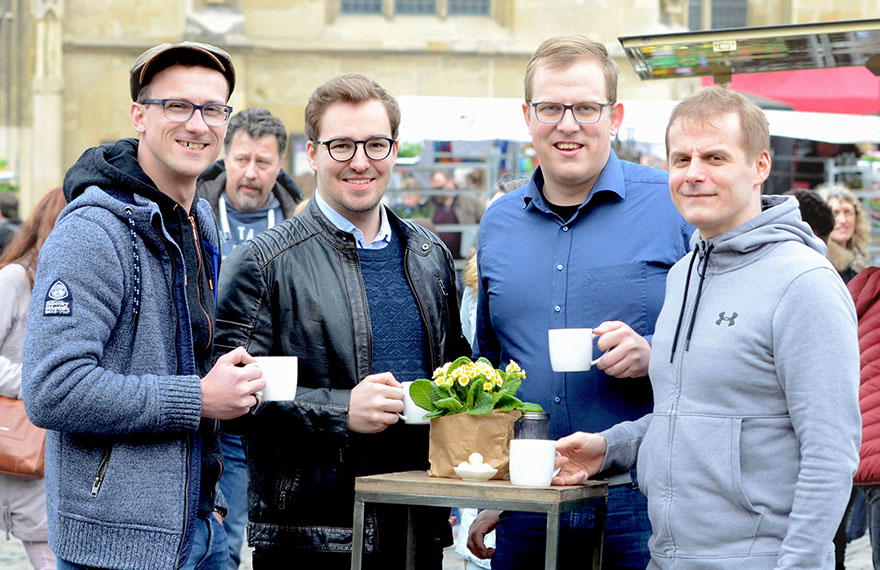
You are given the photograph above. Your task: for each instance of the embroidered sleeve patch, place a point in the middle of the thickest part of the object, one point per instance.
(59, 301)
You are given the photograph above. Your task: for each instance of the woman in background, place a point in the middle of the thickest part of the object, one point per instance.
(847, 243)
(23, 501)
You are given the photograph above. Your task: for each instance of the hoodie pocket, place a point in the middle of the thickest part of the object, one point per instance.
(704, 471)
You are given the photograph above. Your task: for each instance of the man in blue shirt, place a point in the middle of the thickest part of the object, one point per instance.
(587, 243)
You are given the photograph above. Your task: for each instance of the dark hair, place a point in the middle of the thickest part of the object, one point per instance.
(257, 123)
(815, 212)
(352, 88)
(25, 246)
(9, 204)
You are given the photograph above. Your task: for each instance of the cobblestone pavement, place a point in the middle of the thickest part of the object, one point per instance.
(12, 556)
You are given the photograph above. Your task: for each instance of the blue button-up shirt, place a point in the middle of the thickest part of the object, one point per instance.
(382, 239)
(608, 262)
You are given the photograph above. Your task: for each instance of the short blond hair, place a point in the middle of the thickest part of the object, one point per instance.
(714, 101)
(562, 51)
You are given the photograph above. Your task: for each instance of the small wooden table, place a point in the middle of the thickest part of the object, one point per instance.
(417, 488)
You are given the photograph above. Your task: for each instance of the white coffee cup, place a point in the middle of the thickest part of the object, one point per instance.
(279, 372)
(412, 413)
(571, 350)
(532, 462)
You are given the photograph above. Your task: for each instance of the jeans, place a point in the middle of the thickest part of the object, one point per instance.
(872, 498)
(520, 537)
(209, 550)
(234, 483)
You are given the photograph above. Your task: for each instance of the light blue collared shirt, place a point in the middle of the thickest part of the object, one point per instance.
(382, 239)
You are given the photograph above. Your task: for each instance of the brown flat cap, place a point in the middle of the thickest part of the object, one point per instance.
(162, 56)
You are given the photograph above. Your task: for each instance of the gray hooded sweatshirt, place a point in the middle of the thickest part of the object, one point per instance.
(748, 458)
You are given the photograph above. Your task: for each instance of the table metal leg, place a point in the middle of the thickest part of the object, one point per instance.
(600, 516)
(551, 549)
(410, 539)
(357, 534)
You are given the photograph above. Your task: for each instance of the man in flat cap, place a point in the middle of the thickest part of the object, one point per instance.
(117, 361)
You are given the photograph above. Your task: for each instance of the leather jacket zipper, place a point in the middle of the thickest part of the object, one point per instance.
(102, 471)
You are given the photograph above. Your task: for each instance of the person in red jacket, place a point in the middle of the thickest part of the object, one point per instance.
(865, 289)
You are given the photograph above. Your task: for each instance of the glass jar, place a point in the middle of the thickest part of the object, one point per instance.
(532, 425)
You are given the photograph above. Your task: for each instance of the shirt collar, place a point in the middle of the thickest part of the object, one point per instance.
(610, 180)
(382, 238)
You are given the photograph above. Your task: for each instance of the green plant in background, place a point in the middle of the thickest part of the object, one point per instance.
(6, 185)
(409, 149)
(473, 387)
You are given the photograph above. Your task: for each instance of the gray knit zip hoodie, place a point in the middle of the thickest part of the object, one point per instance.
(109, 370)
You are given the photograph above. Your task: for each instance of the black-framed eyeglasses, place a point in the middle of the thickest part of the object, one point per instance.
(180, 111)
(585, 113)
(343, 149)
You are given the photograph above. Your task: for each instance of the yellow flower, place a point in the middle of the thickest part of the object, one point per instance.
(487, 386)
(514, 370)
(440, 372)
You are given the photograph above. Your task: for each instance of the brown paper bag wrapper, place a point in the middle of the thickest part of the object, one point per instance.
(455, 437)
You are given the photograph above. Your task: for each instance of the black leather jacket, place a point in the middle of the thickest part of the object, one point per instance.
(296, 289)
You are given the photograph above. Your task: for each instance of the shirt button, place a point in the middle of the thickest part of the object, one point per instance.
(557, 399)
(557, 308)
(559, 267)
(565, 228)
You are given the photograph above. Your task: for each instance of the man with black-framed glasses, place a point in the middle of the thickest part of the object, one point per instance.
(366, 301)
(118, 357)
(591, 238)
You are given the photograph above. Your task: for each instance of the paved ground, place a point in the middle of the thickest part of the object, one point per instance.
(12, 556)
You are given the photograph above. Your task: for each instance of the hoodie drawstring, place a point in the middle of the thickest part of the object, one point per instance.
(701, 271)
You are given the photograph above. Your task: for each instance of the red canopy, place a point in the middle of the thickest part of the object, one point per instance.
(851, 90)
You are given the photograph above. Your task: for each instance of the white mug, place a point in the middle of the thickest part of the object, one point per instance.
(412, 414)
(279, 372)
(532, 462)
(571, 350)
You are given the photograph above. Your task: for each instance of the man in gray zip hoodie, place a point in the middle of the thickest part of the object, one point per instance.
(748, 458)
(119, 343)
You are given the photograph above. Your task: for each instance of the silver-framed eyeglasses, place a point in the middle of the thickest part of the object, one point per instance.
(585, 112)
(180, 111)
(343, 149)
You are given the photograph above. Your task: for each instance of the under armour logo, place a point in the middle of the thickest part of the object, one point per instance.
(730, 320)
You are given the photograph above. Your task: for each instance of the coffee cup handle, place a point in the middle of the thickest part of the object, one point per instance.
(401, 416)
(556, 471)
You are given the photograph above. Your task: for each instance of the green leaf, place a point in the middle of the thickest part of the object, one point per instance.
(507, 402)
(458, 362)
(435, 414)
(484, 404)
(475, 387)
(420, 390)
(452, 405)
(484, 359)
(530, 407)
(511, 386)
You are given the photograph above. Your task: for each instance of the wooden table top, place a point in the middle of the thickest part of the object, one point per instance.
(419, 483)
